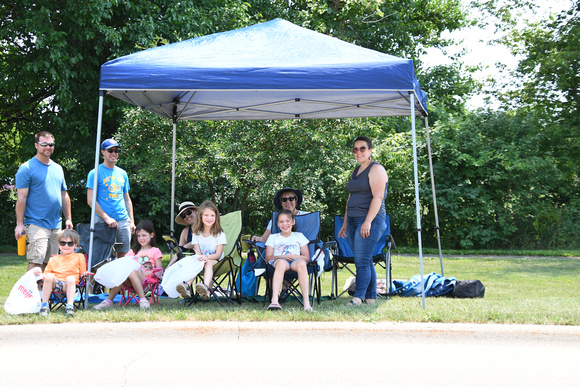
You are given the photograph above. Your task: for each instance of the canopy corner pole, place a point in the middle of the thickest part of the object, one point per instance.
(416, 174)
(173, 149)
(437, 228)
(94, 199)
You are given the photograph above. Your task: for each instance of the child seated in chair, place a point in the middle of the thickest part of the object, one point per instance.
(208, 242)
(149, 256)
(288, 250)
(63, 272)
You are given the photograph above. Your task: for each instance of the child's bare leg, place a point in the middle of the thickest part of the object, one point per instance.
(70, 289)
(281, 266)
(299, 266)
(48, 287)
(113, 292)
(208, 272)
(137, 277)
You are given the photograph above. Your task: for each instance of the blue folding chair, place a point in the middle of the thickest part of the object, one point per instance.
(343, 256)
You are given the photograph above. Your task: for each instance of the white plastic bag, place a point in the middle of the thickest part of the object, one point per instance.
(24, 296)
(182, 270)
(116, 272)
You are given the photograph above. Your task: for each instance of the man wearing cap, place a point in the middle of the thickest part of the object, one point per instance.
(113, 206)
(285, 199)
(42, 197)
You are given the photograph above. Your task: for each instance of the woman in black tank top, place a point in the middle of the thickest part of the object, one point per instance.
(364, 218)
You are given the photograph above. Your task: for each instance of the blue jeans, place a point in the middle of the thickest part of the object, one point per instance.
(366, 276)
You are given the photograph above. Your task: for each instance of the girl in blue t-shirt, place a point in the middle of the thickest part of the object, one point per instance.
(288, 250)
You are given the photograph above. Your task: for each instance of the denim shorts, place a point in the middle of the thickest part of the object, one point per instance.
(123, 234)
(289, 263)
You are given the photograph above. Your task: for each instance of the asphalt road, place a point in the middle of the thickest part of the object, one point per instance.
(288, 354)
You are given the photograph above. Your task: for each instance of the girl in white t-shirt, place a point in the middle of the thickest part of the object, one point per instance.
(288, 250)
(208, 242)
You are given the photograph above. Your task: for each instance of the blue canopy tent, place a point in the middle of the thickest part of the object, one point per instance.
(272, 70)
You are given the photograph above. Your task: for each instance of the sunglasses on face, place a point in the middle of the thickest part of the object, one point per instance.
(291, 198)
(63, 243)
(186, 213)
(362, 149)
(114, 150)
(44, 143)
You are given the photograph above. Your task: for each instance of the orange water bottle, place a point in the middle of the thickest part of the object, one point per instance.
(22, 244)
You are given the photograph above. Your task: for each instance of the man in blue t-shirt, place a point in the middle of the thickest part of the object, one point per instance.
(113, 206)
(42, 197)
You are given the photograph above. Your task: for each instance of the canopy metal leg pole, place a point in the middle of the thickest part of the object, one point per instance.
(94, 200)
(171, 221)
(434, 194)
(418, 208)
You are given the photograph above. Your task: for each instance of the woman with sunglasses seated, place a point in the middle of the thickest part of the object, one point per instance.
(186, 217)
(285, 199)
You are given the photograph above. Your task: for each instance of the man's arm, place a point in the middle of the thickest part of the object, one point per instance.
(99, 211)
(66, 210)
(22, 196)
(129, 206)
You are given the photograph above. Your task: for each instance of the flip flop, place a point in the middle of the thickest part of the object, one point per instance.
(274, 307)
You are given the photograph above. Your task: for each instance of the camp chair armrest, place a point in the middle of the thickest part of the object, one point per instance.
(391, 240)
(329, 245)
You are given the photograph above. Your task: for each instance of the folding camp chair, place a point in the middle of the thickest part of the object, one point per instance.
(103, 248)
(309, 226)
(343, 256)
(58, 299)
(103, 242)
(150, 285)
(226, 270)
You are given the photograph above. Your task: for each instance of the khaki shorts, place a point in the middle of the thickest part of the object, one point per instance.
(41, 243)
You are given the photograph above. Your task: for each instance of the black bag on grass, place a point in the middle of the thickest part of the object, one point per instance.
(468, 289)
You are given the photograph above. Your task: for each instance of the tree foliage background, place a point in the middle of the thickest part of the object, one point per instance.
(505, 178)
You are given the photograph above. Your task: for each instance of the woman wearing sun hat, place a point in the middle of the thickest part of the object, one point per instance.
(186, 217)
(285, 199)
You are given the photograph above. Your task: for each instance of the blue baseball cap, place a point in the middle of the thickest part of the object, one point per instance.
(109, 143)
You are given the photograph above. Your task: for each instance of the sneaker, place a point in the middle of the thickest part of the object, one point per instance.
(104, 304)
(44, 311)
(144, 304)
(70, 311)
(184, 290)
(203, 291)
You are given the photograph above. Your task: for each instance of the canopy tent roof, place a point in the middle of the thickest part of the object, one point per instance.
(272, 70)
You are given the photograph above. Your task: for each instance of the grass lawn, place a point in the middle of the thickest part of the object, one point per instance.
(518, 291)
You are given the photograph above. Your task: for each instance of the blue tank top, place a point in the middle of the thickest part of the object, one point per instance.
(361, 194)
(189, 234)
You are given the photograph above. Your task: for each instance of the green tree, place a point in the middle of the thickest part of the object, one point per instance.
(50, 60)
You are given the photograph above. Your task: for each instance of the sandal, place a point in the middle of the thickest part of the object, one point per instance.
(274, 307)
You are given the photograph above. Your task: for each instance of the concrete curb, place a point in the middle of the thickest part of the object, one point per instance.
(293, 331)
